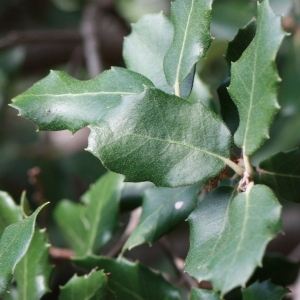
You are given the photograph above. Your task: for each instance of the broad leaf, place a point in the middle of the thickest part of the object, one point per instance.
(9, 211)
(131, 280)
(191, 19)
(264, 291)
(254, 81)
(33, 271)
(163, 210)
(281, 172)
(232, 236)
(14, 244)
(89, 287)
(88, 228)
(61, 102)
(199, 294)
(161, 138)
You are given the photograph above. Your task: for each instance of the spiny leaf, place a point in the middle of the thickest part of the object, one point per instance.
(61, 102)
(264, 291)
(34, 265)
(191, 19)
(163, 139)
(236, 245)
(281, 172)
(254, 81)
(163, 210)
(88, 228)
(89, 287)
(131, 280)
(14, 244)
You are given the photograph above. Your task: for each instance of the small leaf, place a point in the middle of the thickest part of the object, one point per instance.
(163, 139)
(131, 280)
(236, 247)
(163, 210)
(61, 102)
(191, 19)
(254, 81)
(33, 271)
(200, 294)
(281, 172)
(264, 291)
(14, 244)
(88, 228)
(9, 211)
(89, 287)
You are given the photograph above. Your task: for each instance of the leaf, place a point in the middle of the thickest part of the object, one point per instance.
(191, 19)
(226, 250)
(281, 172)
(264, 291)
(200, 294)
(131, 280)
(161, 138)
(88, 228)
(34, 270)
(9, 211)
(89, 287)
(14, 244)
(163, 210)
(61, 102)
(254, 81)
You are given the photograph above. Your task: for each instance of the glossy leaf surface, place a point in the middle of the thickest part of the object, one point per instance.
(163, 139)
(33, 271)
(191, 19)
(226, 249)
(89, 287)
(264, 291)
(131, 280)
(281, 172)
(200, 294)
(61, 102)
(163, 210)
(88, 228)
(254, 81)
(14, 244)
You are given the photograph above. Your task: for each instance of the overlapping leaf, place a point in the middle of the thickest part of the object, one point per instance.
(161, 138)
(88, 228)
(89, 287)
(191, 19)
(254, 81)
(198, 294)
(61, 102)
(33, 271)
(131, 280)
(163, 210)
(14, 244)
(264, 291)
(227, 249)
(281, 172)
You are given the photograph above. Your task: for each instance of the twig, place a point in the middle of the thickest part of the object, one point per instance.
(60, 253)
(133, 221)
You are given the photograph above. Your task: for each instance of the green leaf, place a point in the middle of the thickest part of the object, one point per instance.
(163, 139)
(264, 291)
(131, 280)
(254, 81)
(163, 210)
(200, 294)
(61, 102)
(227, 249)
(9, 211)
(191, 19)
(33, 271)
(14, 244)
(281, 172)
(87, 228)
(89, 287)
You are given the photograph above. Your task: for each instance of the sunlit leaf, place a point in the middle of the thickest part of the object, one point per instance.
(200, 294)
